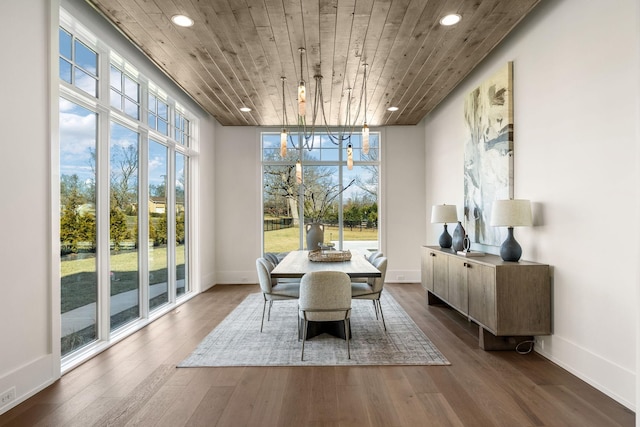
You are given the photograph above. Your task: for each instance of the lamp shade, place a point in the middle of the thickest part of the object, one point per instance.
(444, 214)
(511, 213)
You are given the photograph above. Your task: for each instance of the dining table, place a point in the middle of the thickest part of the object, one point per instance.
(296, 263)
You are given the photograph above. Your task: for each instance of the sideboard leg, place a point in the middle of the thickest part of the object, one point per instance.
(433, 300)
(488, 341)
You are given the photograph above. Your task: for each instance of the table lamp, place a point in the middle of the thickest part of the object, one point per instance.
(443, 214)
(511, 213)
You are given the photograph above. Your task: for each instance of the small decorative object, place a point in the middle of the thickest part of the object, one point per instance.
(467, 252)
(315, 235)
(458, 237)
(329, 256)
(443, 214)
(317, 203)
(466, 243)
(511, 213)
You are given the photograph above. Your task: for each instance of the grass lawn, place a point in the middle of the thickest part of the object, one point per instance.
(78, 276)
(124, 261)
(287, 239)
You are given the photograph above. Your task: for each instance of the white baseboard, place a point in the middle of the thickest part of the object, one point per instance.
(207, 281)
(402, 276)
(615, 381)
(28, 380)
(236, 277)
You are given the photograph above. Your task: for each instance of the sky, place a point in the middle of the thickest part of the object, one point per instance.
(78, 130)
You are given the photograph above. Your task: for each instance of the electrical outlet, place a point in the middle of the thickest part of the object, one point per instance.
(7, 397)
(540, 343)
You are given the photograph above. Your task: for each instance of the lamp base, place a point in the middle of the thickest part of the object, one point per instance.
(510, 249)
(445, 240)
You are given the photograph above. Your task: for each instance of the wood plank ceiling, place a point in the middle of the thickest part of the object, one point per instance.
(237, 51)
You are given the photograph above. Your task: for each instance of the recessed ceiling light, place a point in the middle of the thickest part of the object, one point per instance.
(451, 19)
(245, 109)
(392, 109)
(182, 20)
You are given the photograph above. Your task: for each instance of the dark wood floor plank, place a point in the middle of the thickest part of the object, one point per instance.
(439, 412)
(189, 397)
(352, 407)
(136, 382)
(379, 405)
(296, 400)
(403, 397)
(324, 392)
(268, 403)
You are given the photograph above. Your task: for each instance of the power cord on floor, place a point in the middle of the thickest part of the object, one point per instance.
(531, 344)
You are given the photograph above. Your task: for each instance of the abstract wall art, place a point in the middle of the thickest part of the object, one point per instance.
(488, 154)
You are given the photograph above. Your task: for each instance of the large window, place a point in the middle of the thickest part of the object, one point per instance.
(158, 230)
(78, 63)
(79, 282)
(123, 225)
(343, 201)
(124, 188)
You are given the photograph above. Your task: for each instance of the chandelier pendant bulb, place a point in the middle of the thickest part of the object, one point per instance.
(365, 128)
(349, 156)
(365, 139)
(298, 172)
(283, 143)
(302, 92)
(283, 134)
(302, 99)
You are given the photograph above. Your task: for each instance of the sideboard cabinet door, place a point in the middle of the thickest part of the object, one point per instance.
(426, 259)
(458, 294)
(482, 295)
(441, 275)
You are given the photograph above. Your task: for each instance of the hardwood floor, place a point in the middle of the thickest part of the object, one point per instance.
(136, 382)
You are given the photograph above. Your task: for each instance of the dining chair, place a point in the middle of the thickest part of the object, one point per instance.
(272, 290)
(373, 289)
(325, 296)
(271, 256)
(374, 255)
(371, 257)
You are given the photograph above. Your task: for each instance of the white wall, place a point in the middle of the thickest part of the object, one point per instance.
(576, 72)
(25, 282)
(238, 207)
(404, 209)
(238, 211)
(29, 282)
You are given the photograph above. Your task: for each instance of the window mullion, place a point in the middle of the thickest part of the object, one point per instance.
(340, 199)
(170, 194)
(103, 228)
(143, 222)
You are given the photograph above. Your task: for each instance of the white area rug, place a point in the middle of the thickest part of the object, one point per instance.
(237, 340)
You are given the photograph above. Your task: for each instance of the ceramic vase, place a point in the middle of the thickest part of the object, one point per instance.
(315, 235)
(458, 237)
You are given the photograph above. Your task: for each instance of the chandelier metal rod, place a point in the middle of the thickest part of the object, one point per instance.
(307, 132)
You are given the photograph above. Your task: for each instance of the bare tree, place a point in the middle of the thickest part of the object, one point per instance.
(124, 176)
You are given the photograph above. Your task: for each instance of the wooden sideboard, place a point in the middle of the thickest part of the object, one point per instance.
(510, 301)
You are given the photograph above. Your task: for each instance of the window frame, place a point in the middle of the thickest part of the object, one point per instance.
(340, 163)
(101, 106)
